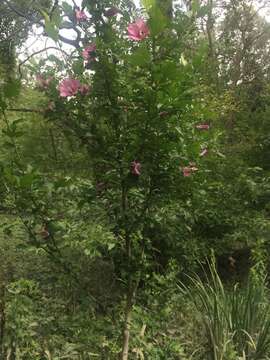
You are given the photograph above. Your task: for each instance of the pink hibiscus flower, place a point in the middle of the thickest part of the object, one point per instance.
(80, 15)
(136, 168)
(84, 89)
(88, 52)
(203, 126)
(69, 87)
(138, 31)
(188, 170)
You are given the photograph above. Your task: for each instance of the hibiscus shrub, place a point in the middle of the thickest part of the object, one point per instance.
(130, 98)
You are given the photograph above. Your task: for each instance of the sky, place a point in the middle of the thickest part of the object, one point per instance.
(37, 41)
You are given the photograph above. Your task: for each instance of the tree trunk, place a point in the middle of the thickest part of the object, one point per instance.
(2, 319)
(209, 29)
(213, 74)
(11, 354)
(126, 334)
(127, 324)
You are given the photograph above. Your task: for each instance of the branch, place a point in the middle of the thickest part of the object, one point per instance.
(17, 12)
(25, 110)
(75, 5)
(36, 53)
(75, 43)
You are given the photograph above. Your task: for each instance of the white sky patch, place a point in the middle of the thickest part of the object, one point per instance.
(37, 41)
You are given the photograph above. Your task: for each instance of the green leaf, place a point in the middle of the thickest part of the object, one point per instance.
(169, 70)
(157, 21)
(12, 179)
(50, 27)
(78, 67)
(51, 31)
(27, 180)
(140, 57)
(56, 17)
(67, 8)
(195, 5)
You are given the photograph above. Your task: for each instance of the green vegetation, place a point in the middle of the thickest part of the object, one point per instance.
(236, 321)
(134, 181)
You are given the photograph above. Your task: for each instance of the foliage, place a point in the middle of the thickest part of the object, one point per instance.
(126, 157)
(236, 321)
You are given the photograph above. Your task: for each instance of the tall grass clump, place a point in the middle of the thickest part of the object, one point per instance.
(235, 321)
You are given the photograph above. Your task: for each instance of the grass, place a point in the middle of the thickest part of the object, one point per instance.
(236, 321)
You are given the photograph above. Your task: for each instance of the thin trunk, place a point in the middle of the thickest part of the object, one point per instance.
(129, 296)
(130, 300)
(127, 323)
(126, 332)
(11, 354)
(2, 319)
(48, 354)
(211, 44)
(131, 286)
(209, 29)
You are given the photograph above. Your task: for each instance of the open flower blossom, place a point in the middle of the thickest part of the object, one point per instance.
(43, 83)
(80, 15)
(138, 31)
(188, 170)
(204, 152)
(136, 168)
(203, 126)
(88, 52)
(84, 89)
(69, 87)
(112, 11)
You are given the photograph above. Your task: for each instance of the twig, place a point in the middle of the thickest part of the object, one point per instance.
(25, 110)
(17, 12)
(75, 43)
(36, 53)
